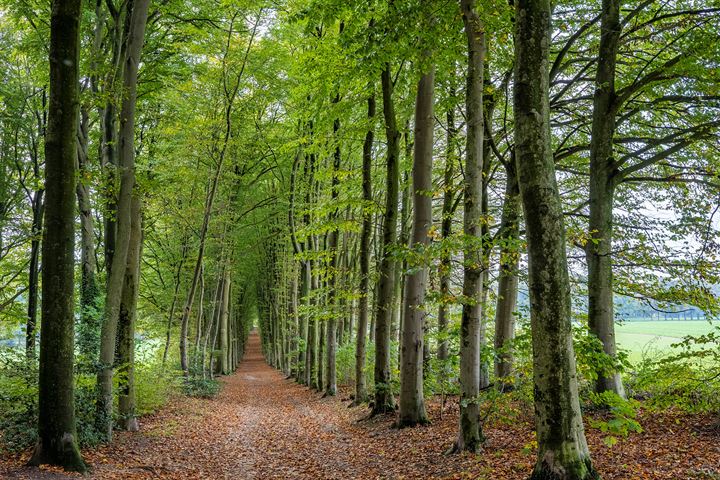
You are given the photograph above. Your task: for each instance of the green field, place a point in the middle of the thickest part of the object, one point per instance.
(657, 336)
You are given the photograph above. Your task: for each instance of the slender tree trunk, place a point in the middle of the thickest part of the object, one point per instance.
(89, 288)
(331, 368)
(445, 268)
(470, 436)
(57, 434)
(601, 315)
(412, 400)
(38, 208)
(108, 335)
(126, 325)
(384, 399)
(224, 334)
(562, 449)
(361, 395)
(508, 279)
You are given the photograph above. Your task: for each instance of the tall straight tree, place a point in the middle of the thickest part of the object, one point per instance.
(602, 186)
(331, 340)
(412, 401)
(57, 435)
(562, 449)
(384, 399)
(138, 11)
(362, 325)
(470, 436)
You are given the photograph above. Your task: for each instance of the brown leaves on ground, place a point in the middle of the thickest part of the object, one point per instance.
(263, 426)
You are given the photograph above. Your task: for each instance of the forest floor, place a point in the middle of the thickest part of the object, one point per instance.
(263, 426)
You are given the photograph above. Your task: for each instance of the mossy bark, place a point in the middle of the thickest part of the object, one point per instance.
(384, 399)
(470, 436)
(126, 326)
(562, 449)
(138, 11)
(57, 435)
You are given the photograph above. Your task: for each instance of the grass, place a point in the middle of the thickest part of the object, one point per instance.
(657, 336)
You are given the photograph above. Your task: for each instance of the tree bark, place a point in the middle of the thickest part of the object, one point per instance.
(331, 341)
(470, 436)
(598, 251)
(445, 267)
(224, 318)
(126, 325)
(108, 334)
(508, 279)
(57, 435)
(89, 289)
(384, 399)
(412, 401)
(361, 395)
(562, 449)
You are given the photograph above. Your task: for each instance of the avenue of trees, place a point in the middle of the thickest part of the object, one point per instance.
(405, 197)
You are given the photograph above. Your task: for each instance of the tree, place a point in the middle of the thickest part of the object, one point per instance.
(116, 278)
(470, 435)
(412, 401)
(384, 399)
(562, 449)
(57, 437)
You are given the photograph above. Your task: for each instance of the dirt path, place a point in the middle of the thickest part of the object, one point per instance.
(263, 426)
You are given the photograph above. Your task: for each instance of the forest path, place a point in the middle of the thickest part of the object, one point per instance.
(264, 426)
(261, 426)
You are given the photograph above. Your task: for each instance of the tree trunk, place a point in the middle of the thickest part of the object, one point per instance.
(470, 436)
(331, 341)
(412, 400)
(598, 250)
(384, 399)
(361, 395)
(562, 449)
(89, 289)
(34, 270)
(108, 335)
(508, 279)
(224, 333)
(126, 325)
(57, 435)
(445, 267)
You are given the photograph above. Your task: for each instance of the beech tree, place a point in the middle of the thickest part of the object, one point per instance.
(57, 435)
(562, 449)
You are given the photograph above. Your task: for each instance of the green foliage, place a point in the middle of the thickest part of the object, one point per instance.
(154, 385)
(619, 419)
(201, 387)
(688, 378)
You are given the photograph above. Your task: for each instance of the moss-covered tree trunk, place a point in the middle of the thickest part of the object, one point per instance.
(562, 449)
(126, 324)
(138, 11)
(412, 401)
(384, 399)
(57, 435)
(470, 436)
(89, 288)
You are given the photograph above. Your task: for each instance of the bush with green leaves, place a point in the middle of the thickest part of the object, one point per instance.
(201, 387)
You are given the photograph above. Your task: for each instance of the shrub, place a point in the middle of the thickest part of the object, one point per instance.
(201, 387)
